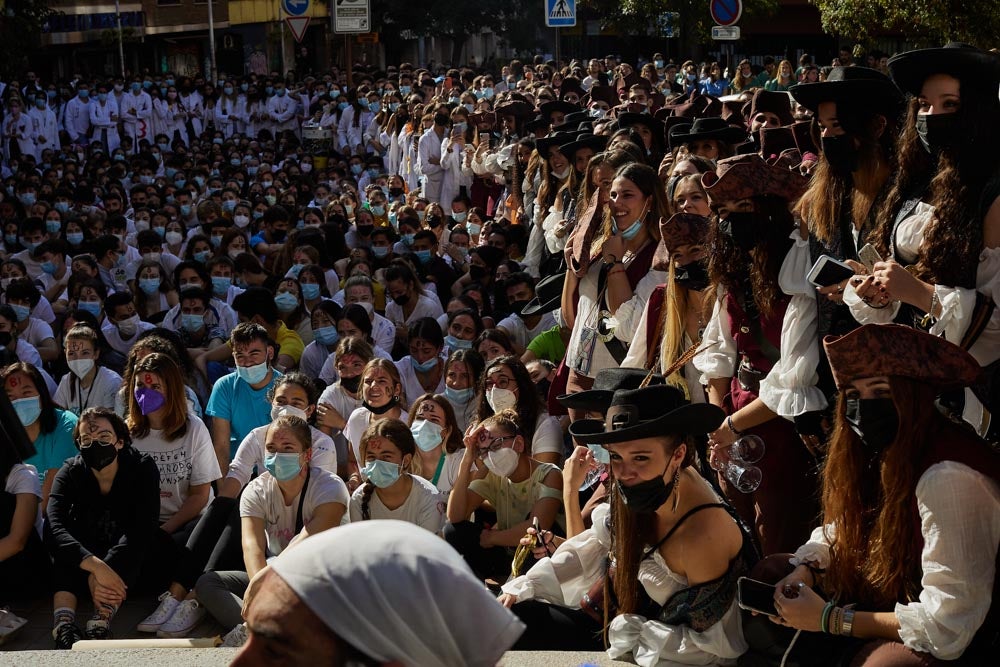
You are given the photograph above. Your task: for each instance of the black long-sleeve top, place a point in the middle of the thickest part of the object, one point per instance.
(118, 527)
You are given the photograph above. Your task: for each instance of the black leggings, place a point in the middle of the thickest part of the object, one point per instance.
(549, 627)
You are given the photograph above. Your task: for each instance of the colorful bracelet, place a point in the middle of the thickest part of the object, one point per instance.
(847, 626)
(835, 616)
(825, 617)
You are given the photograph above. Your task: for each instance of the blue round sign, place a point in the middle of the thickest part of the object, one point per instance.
(295, 7)
(726, 12)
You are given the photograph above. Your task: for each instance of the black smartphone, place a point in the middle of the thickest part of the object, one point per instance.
(829, 271)
(757, 596)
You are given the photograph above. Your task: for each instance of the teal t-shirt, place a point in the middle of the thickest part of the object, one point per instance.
(52, 449)
(242, 406)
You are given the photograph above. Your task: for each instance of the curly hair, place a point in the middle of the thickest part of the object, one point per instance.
(953, 184)
(726, 267)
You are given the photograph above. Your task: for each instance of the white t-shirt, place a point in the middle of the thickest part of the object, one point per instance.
(519, 332)
(357, 423)
(449, 473)
(262, 499)
(251, 453)
(184, 462)
(36, 332)
(425, 506)
(343, 403)
(427, 306)
(329, 374)
(114, 337)
(23, 478)
(102, 392)
(548, 436)
(411, 385)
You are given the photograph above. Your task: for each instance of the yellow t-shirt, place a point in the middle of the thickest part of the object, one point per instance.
(513, 500)
(289, 342)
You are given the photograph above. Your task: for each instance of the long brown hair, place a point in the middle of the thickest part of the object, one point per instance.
(726, 266)
(632, 533)
(648, 182)
(953, 185)
(870, 504)
(820, 206)
(454, 441)
(176, 419)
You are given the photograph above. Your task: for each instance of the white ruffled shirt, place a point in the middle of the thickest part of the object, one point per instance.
(564, 578)
(957, 303)
(960, 523)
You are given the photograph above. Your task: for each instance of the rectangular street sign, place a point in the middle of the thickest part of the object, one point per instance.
(560, 13)
(725, 32)
(351, 16)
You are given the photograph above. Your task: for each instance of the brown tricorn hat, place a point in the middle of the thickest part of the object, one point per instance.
(746, 176)
(680, 229)
(896, 350)
(778, 103)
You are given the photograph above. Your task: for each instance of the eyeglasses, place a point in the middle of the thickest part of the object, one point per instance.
(496, 443)
(103, 441)
(500, 381)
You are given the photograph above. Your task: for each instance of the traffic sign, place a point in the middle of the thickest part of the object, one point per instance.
(560, 13)
(351, 16)
(726, 12)
(295, 7)
(725, 33)
(298, 25)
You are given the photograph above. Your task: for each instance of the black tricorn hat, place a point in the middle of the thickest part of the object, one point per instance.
(713, 127)
(634, 414)
(962, 61)
(857, 87)
(596, 142)
(548, 294)
(607, 382)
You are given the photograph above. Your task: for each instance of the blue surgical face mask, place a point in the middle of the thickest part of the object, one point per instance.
(62, 206)
(53, 226)
(283, 466)
(192, 322)
(221, 284)
(380, 251)
(326, 335)
(93, 307)
(457, 343)
(356, 169)
(459, 396)
(382, 474)
(425, 366)
(49, 268)
(75, 238)
(310, 291)
(423, 255)
(407, 239)
(21, 313)
(426, 434)
(252, 374)
(286, 302)
(186, 210)
(374, 107)
(378, 210)
(202, 256)
(149, 285)
(28, 409)
(405, 90)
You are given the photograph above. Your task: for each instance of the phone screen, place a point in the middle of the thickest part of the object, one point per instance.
(756, 596)
(828, 271)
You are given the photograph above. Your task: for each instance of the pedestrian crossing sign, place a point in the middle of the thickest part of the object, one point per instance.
(560, 13)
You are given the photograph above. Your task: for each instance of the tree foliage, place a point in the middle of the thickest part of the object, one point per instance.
(21, 24)
(923, 22)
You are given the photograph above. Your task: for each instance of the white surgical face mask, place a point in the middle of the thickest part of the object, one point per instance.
(289, 411)
(501, 399)
(80, 367)
(502, 462)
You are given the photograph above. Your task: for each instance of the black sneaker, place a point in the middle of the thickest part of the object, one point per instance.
(98, 628)
(66, 634)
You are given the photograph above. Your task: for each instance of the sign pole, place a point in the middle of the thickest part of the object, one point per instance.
(281, 27)
(211, 43)
(121, 49)
(558, 39)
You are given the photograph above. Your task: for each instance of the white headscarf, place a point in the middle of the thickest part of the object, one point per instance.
(395, 591)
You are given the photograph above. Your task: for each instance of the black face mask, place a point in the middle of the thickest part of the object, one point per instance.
(366, 230)
(5, 338)
(433, 222)
(517, 306)
(693, 275)
(98, 456)
(402, 299)
(382, 410)
(841, 154)
(477, 272)
(543, 389)
(937, 131)
(395, 192)
(745, 229)
(441, 119)
(875, 420)
(278, 234)
(351, 384)
(646, 497)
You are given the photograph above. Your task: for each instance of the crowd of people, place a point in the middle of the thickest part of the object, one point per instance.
(620, 336)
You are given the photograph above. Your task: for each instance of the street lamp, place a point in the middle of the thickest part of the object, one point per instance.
(213, 74)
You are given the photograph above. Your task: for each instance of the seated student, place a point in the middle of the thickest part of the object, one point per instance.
(410, 301)
(461, 378)
(517, 486)
(439, 441)
(361, 290)
(669, 534)
(292, 394)
(257, 305)
(323, 320)
(102, 524)
(49, 428)
(22, 295)
(88, 384)
(392, 489)
(524, 328)
(433, 269)
(422, 370)
(463, 327)
(23, 559)
(239, 403)
(123, 326)
(290, 501)
(165, 342)
(343, 397)
(506, 385)
(197, 331)
(162, 426)
(352, 323)
(153, 292)
(382, 397)
(195, 274)
(493, 344)
(55, 275)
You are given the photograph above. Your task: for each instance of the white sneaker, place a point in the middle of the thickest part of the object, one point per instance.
(236, 637)
(168, 605)
(189, 613)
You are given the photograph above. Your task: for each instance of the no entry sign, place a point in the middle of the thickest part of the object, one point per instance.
(726, 12)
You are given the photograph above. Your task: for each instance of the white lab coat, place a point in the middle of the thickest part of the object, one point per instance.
(432, 174)
(137, 124)
(228, 112)
(47, 128)
(172, 116)
(104, 121)
(284, 110)
(21, 130)
(77, 120)
(194, 104)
